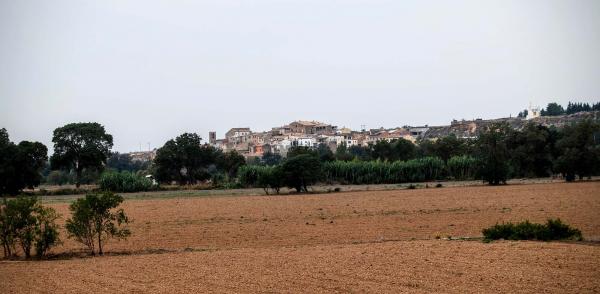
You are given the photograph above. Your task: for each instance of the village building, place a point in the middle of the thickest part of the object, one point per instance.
(309, 128)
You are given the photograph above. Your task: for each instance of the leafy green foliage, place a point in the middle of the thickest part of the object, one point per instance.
(446, 147)
(20, 165)
(552, 230)
(80, 146)
(531, 151)
(379, 172)
(342, 153)
(552, 109)
(399, 149)
(124, 182)
(574, 107)
(493, 154)
(301, 150)
(230, 162)
(579, 150)
(269, 158)
(123, 162)
(184, 160)
(462, 167)
(325, 154)
(301, 171)
(96, 218)
(523, 114)
(24, 221)
(270, 178)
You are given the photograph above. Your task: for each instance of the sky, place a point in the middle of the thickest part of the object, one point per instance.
(149, 70)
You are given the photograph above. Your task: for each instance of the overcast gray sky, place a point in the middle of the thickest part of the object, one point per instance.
(151, 70)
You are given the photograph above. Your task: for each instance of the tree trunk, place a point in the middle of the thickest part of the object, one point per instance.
(100, 244)
(78, 178)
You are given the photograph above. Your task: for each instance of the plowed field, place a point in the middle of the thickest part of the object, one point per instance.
(383, 241)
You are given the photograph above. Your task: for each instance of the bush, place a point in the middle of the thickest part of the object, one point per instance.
(24, 221)
(552, 230)
(124, 182)
(95, 219)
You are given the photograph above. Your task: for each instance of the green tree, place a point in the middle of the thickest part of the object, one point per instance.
(301, 171)
(523, 114)
(553, 109)
(269, 158)
(445, 147)
(325, 153)
(300, 150)
(270, 178)
(24, 221)
(230, 162)
(579, 150)
(80, 146)
(123, 162)
(493, 155)
(184, 160)
(402, 149)
(360, 152)
(531, 151)
(31, 160)
(20, 165)
(382, 150)
(96, 218)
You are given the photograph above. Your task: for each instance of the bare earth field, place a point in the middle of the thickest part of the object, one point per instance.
(383, 241)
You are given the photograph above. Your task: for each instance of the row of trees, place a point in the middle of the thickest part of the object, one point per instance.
(573, 107)
(82, 149)
(185, 161)
(499, 153)
(553, 109)
(26, 224)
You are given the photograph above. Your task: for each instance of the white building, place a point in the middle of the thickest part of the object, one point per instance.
(533, 112)
(306, 142)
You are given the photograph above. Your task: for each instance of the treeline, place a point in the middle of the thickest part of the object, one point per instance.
(82, 152)
(553, 109)
(498, 154)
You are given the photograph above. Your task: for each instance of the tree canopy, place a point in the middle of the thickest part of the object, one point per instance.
(20, 165)
(493, 154)
(80, 146)
(184, 160)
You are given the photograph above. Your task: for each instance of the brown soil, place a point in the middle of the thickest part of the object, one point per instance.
(359, 241)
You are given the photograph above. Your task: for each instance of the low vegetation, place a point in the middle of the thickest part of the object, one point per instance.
(96, 219)
(378, 172)
(124, 182)
(25, 223)
(553, 229)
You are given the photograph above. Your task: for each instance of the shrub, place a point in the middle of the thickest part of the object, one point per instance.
(96, 219)
(124, 182)
(24, 221)
(552, 230)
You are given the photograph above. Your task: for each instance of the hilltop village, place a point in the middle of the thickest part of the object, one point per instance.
(311, 134)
